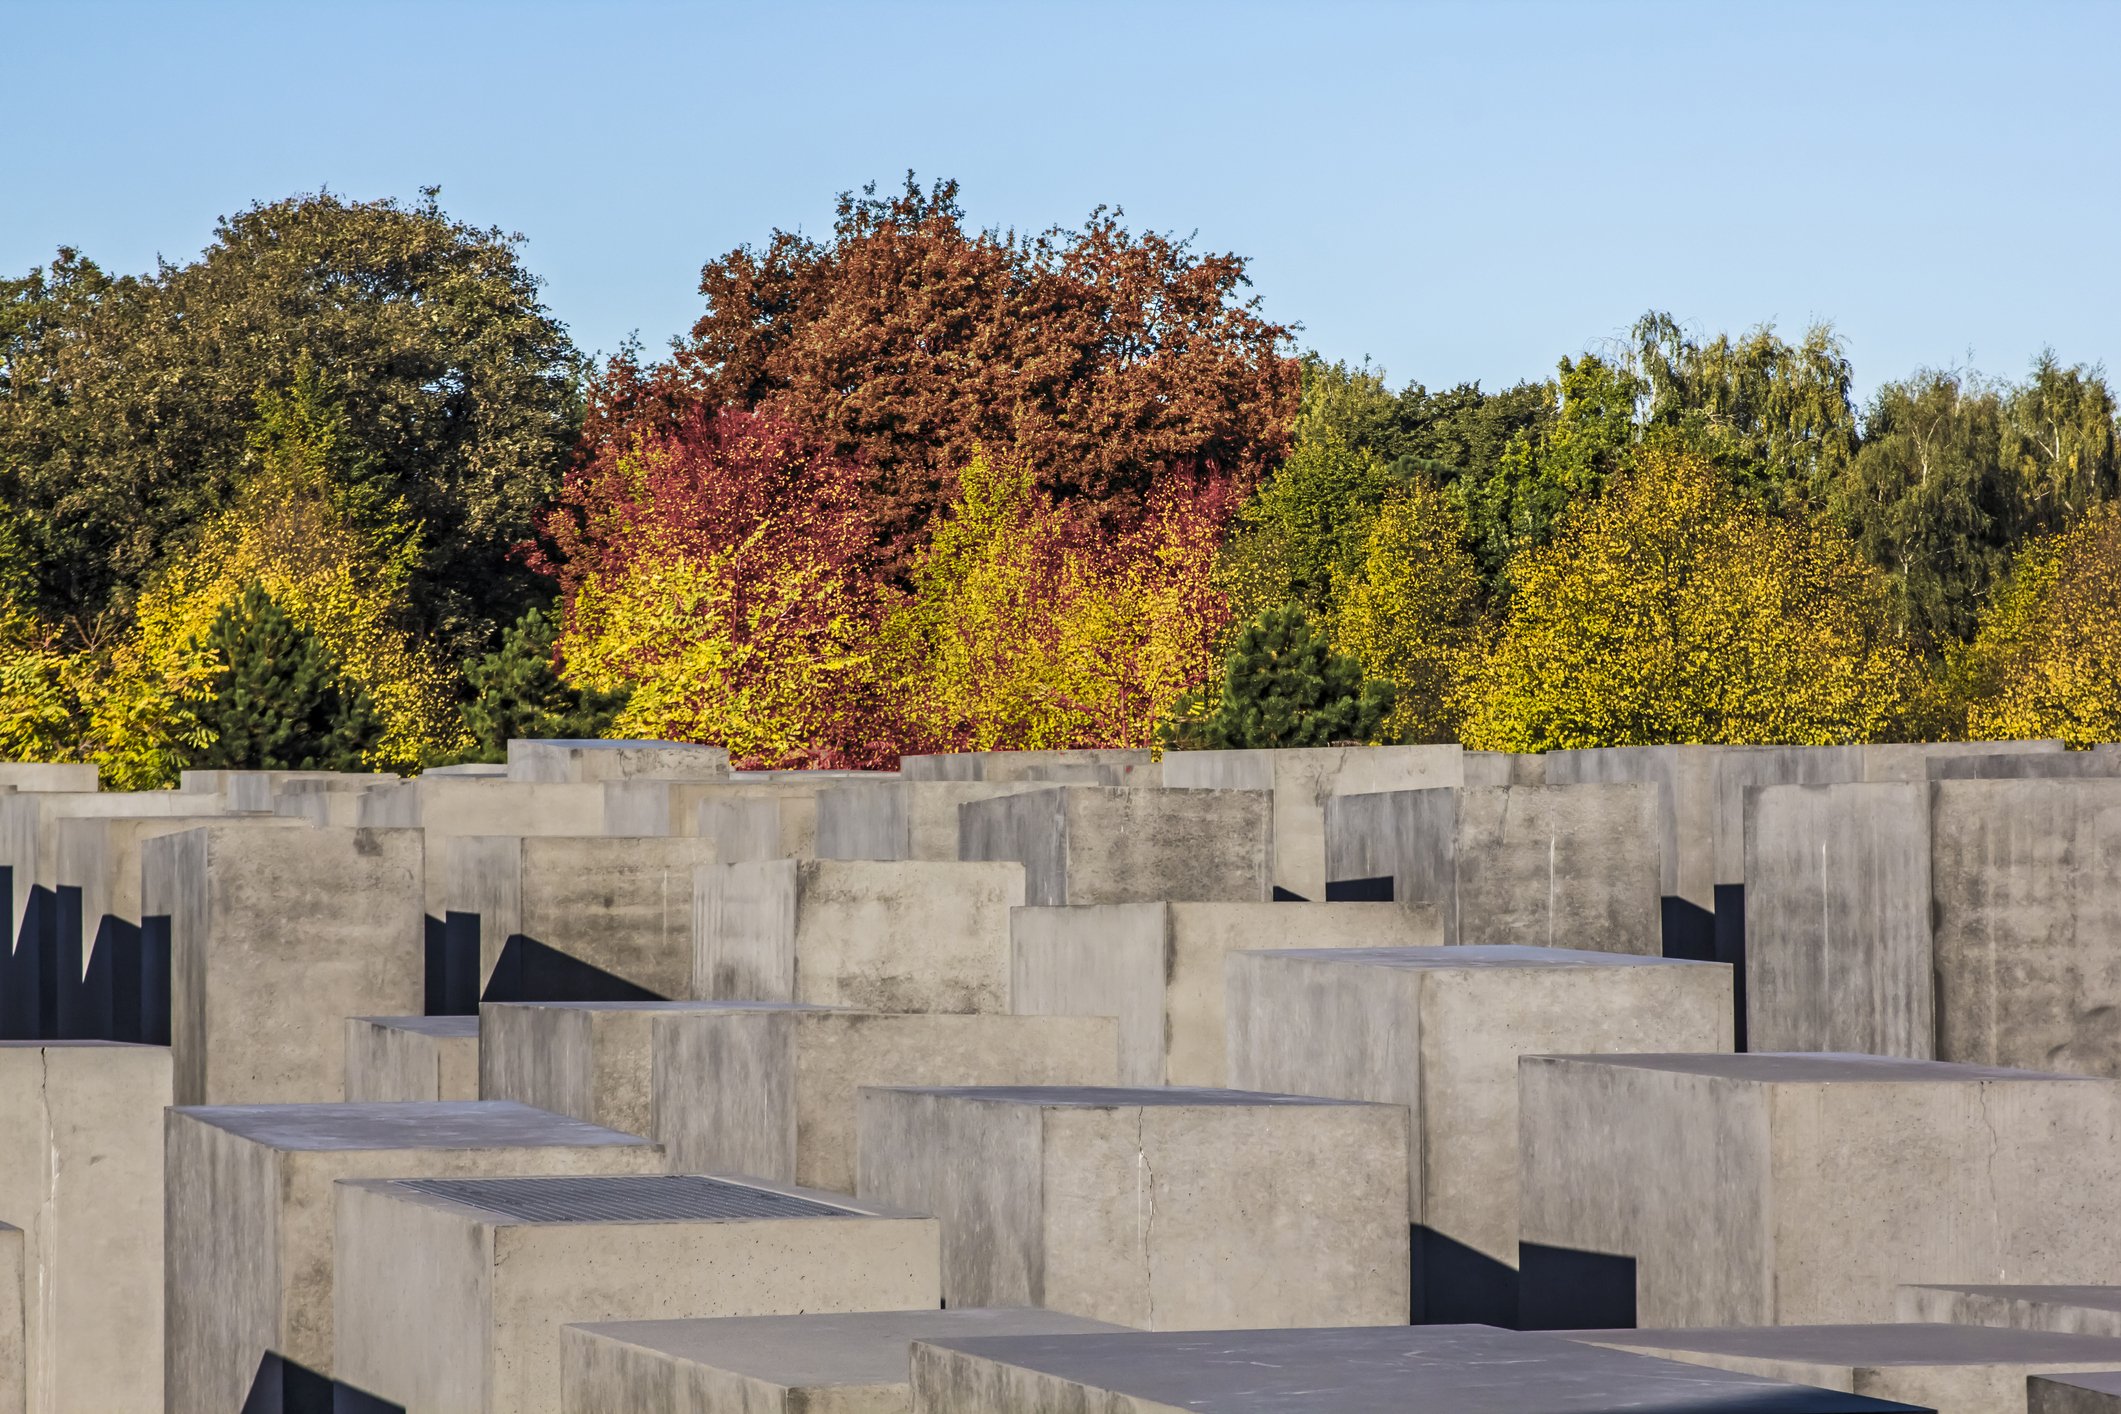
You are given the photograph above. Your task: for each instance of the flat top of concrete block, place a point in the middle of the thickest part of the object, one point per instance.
(427, 1025)
(2095, 1298)
(1111, 1097)
(416, 1124)
(1395, 1369)
(1823, 1067)
(655, 1006)
(609, 743)
(866, 1348)
(1864, 1346)
(619, 1198)
(1503, 955)
(2101, 1382)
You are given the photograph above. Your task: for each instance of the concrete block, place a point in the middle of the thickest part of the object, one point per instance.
(1302, 781)
(2074, 1394)
(1440, 1031)
(14, 1345)
(1158, 968)
(1165, 1209)
(50, 775)
(2071, 1310)
(446, 808)
(2025, 879)
(1090, 768)
(254, 792)
(2031, 766)
(1685, 778)
(451, 1295)
(1953, 1369)
(899, 819)
(412, 1058)
(1837, 926)
(1491, 769)
(769, 1089)
(81, 1176)
(616, 761)
(621, 907)
(782, 826)
(1784, 1189)
(1549, 866)
(813, 1364)
(1460, 1369)
(1911, 761)
(591, 1060)
(902, 935)
(275, 936)
(1094, 844)
(249, 1216)
(29, 835)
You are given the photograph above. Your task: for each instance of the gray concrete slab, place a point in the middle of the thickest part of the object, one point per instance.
(1440, 1031)
(615, 761)
(2077, 1310)
(1836, 1179)
(446, 808)
(1459, 1369)
(1302, 781)
(1953, 1369)
(899, 935)
(412, 1058)
(81, 1176)
(14, 1346)
(1156, 1208)
(1158, 968)
(50, 775)
(1487, 769)
(1552, 866)
(2074, 1394)
(276, 936)
(29, 833)
(769, 1089)
(810, 1364)
(900, 819)
(452, 1297)
(591, 1060)
(1094, 844)
(249, 1215)
(1118, 767)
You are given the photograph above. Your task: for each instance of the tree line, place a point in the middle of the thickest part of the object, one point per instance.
(342, 491)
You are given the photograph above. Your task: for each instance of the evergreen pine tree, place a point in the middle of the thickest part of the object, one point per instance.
(1283, 685)
(516, 693)
(280, 701)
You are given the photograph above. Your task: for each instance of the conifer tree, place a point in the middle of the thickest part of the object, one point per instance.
(1283, 685)
(516, 693)
(280, 701)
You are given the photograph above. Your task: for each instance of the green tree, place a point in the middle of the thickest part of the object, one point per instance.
(1413, 617)
(125, 401)
(1302, 535)
(1283, 685)
(515, 693)
(280, 701)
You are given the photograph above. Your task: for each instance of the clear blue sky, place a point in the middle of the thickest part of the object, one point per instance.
(1457, 191)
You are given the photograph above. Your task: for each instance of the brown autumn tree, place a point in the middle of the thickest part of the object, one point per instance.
(1098, 358)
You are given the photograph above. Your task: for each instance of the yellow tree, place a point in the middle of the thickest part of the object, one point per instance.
(1413, 616)
(2047, 659)
(1674, 610)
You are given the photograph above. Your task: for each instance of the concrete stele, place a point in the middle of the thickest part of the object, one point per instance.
(587, 760)
(2072, 1310)
(396, 1058)
(452, 1296)
(1096, 844)
(249, 1215)
(900, 819)
(1160, 1208)
(14, 1342)
(2074, 1394)
(591, 1060)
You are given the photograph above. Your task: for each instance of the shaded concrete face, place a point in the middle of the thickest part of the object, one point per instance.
(2026, 884)
(622, 905)
(809, 1364)
(588, 1060)
(2071, 1310)
(29, 829)
(1301, 781)
(81, 1176)
(1158, 968)
(1940, 1367)
(1093, 768)
(880, 936)
(398, 1058)
(770, 1090)
(1440, 1031)
(900, 819)
(249, 1216)
(271, 929)
(1465, 1369)
(571, 761)
(1837, 1179)
(1838, 920)
(2074, 1394)
(1550, 866)
(1160, 1209)
(1089, 844)
(446, 1305)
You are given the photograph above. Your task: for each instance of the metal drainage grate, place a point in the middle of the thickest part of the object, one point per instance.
(620, 1198)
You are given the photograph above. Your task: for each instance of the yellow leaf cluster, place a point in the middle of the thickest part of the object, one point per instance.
(1413, 615)
(2046, 661)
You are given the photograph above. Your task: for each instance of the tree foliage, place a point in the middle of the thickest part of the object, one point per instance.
(126, 402)
(516, 692)
(1283, 686)
(2047, 659)
(276, 699)
(1412, 616)
(1676, 609)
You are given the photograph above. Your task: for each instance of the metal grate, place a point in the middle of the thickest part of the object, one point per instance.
(621, 1198)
